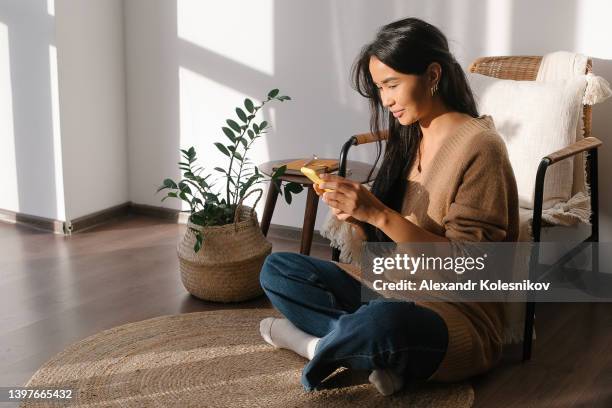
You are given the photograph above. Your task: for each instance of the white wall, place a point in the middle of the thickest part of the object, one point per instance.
(188, 67)
(63, 144)
(30, 152)
(92, 100)
(189, 63)
(152, 97)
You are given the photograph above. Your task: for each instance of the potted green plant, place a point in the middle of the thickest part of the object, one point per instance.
(223, 248)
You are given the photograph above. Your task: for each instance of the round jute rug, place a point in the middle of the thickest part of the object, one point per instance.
(212, 359)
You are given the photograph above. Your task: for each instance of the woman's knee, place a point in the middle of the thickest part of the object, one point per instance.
(269, 269)
(275, 267)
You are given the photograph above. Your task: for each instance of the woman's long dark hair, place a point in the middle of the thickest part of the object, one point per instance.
(408, 46)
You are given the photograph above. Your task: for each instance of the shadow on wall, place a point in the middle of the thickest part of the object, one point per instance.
(28, 169)
(308, 56)
(311, 55)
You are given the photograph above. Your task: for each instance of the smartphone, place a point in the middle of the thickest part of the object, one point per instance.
(313, 176)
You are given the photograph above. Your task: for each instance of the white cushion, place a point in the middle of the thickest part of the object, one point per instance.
(535, 119)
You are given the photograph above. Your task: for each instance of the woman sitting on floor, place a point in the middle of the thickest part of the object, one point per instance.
(445, 177)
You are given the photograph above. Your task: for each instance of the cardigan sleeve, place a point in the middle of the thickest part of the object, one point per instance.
(485, 205)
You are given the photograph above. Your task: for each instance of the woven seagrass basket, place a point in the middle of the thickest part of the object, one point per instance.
(226, 269)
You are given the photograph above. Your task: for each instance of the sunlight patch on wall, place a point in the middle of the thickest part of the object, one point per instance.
(51, 7)
(57, 143)
(339, 62)
(242, 31)
(9, 197)
(204, 107)
(498, 40)
(593, 30)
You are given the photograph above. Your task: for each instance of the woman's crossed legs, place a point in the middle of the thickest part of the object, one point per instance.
(328, 323)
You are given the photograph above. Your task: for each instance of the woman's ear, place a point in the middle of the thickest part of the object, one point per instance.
(434, 73)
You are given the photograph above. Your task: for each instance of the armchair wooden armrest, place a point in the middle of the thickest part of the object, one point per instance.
(356, 140)
(369, 137)
(587, 143)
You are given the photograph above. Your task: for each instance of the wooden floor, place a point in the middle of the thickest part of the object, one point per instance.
(56, 290)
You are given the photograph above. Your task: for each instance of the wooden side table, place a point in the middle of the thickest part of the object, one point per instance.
(358, 172)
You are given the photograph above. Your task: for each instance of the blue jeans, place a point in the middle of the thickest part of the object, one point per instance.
(321, 299)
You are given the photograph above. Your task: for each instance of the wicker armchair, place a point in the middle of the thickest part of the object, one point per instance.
(525, 68)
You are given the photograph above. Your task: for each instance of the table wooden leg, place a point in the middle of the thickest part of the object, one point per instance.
(269, 208)
(312, 202)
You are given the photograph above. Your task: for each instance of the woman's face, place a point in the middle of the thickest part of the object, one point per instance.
(405, 95)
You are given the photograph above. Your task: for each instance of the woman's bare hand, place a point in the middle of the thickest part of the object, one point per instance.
(337, 212)
(350, 199)
(317, 190)
(340, 215)
(344, 217)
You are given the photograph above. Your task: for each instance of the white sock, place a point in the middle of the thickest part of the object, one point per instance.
(283, 334)
(386, 381)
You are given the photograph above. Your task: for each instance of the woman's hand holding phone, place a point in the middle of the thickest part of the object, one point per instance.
(337, 212)
(342, 216)
(350, 200)
(318, 190)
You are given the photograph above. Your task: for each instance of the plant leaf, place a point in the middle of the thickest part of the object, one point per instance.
(235, 126)
(228, 132)
(263, 125)
(170, 195)
(184, 187)
(249, 105)
(280, 171)
(198, 219)
(169, 183)
(248, 184)
(197, 187)
(222, 149)
(273, 93)
(294, 187)
(198, 244)
(241, 115)
(287, 195)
